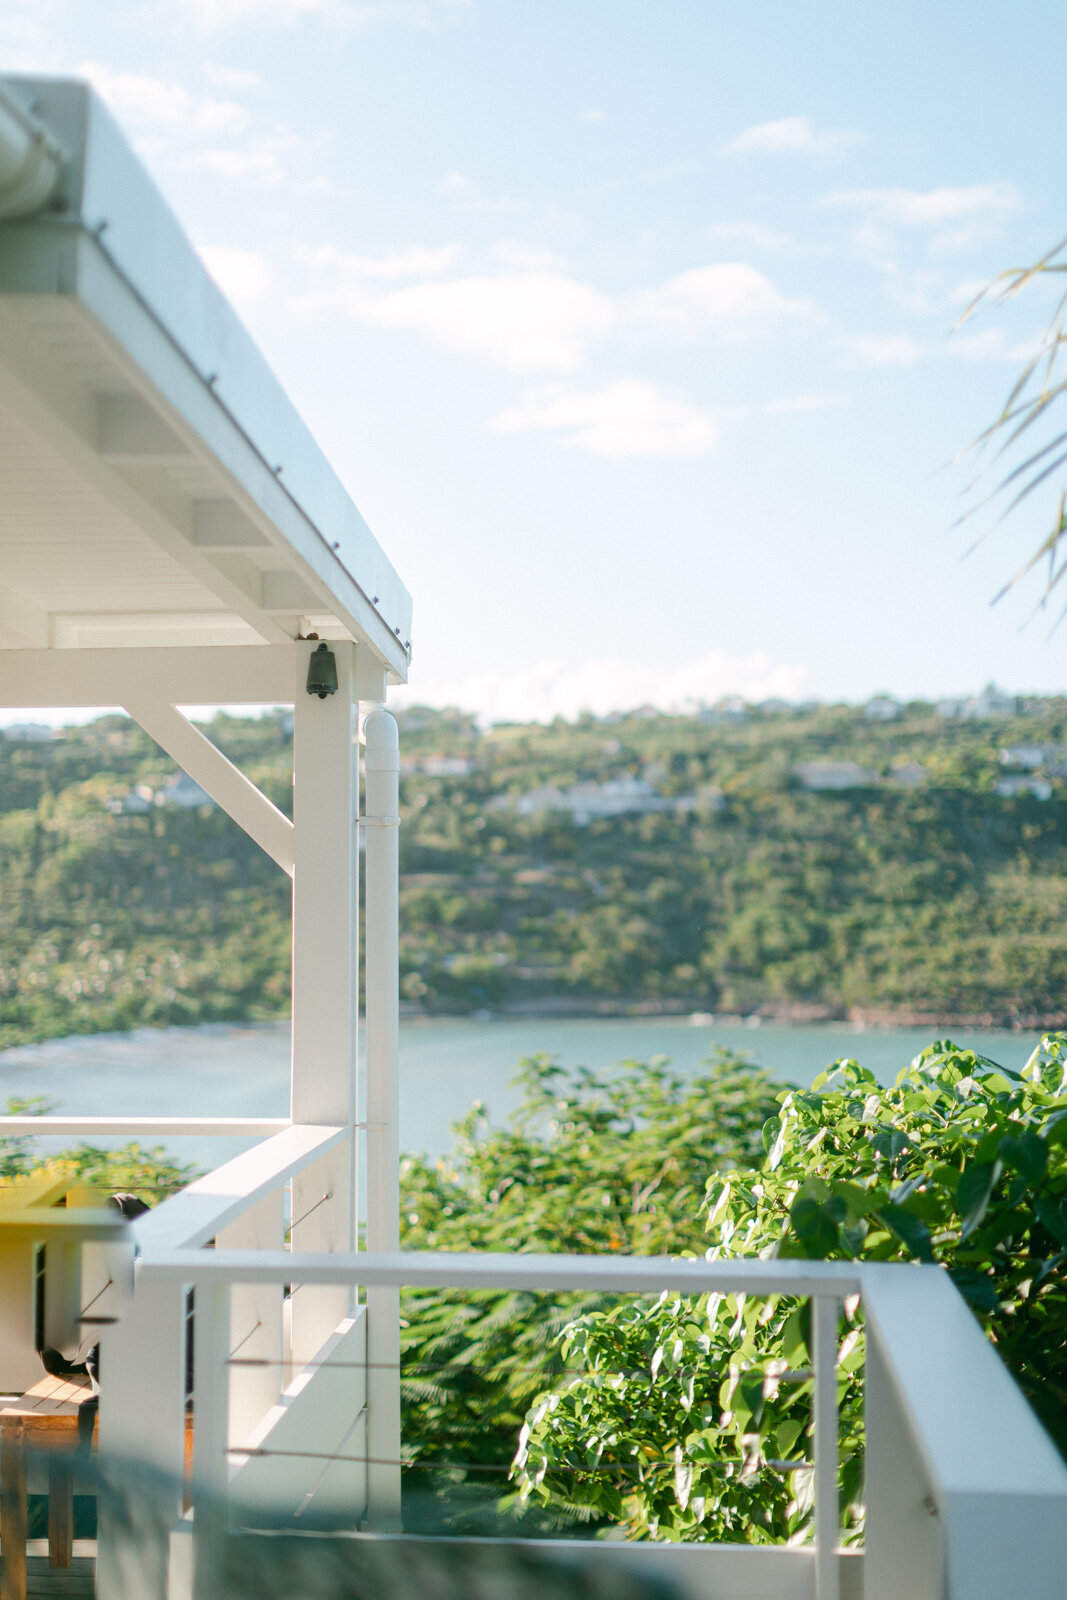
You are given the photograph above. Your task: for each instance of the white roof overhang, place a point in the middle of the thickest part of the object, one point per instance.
(157, 488)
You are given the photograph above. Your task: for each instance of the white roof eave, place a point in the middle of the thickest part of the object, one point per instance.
(113, 253)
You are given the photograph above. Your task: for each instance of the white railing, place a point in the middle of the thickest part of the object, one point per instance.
(966, 1496)
(241, 1205)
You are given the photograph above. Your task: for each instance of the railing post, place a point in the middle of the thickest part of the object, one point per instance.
(211, 1427)
(825, 1311)
(142, 1420)
(382, 823)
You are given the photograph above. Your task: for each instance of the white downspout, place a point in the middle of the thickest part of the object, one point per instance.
(382, 954)
(30, 160)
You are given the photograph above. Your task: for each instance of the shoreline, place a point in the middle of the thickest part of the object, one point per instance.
(801, 1015)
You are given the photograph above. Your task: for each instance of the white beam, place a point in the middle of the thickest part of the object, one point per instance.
(21, 621)
(285, 594)
(131, 431)
(150, 630)
(179, 675)
(225, 783)
(141, 1127)
(221, 525)
(486, 1269)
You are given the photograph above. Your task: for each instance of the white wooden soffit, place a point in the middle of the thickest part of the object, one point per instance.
(119, 352)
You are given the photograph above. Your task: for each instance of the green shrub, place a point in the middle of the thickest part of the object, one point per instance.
(689, 1417)
(594, 1162)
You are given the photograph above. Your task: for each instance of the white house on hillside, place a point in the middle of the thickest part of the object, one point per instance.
(589, 801)
(833, 775)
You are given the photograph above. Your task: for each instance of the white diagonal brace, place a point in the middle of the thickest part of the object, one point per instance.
(218, 777)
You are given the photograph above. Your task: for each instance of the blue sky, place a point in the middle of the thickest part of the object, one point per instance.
(629, 325)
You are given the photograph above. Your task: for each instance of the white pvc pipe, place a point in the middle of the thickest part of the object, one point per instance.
(382, 935)
(29, 161)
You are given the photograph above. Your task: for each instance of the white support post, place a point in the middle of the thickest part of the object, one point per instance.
(825, 1312)
(382, 822)
(325, 952)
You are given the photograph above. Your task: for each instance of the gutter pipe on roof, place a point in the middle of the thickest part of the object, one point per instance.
(30, 160)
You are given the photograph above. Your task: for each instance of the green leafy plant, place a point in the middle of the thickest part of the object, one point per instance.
(691, 1419)
(592, 1162)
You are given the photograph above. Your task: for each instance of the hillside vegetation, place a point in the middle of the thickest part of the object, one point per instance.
(736, 889)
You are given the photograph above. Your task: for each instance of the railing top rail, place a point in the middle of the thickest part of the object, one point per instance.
(606, 1274)
(129, 1127)
(194, 1215)
(968, 1419)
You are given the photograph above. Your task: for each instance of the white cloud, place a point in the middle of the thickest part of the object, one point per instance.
(220, 14)
(792, 136)
(900, 350)
(966, 292)
(419, 261)
(525, 321)
(262, 160)
(553, 688)
(886, 350)
(201, 132)
(513, 253)
(591, 116)
(456, 186)
(991, 344)
(466, 193)
(632, 418)
(244, 276)
(139, 98)
(800, 404)
(727, 295)
(953, 219)
(533, 315)
(932, 208)
(623, 420)
(750, 233)
(233, 79)
(144, 101)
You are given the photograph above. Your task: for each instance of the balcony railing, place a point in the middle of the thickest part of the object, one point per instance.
(966, 1499)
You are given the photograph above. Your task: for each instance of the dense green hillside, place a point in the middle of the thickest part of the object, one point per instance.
(733, 889)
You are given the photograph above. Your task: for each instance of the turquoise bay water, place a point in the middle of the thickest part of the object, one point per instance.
(446, 1065)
